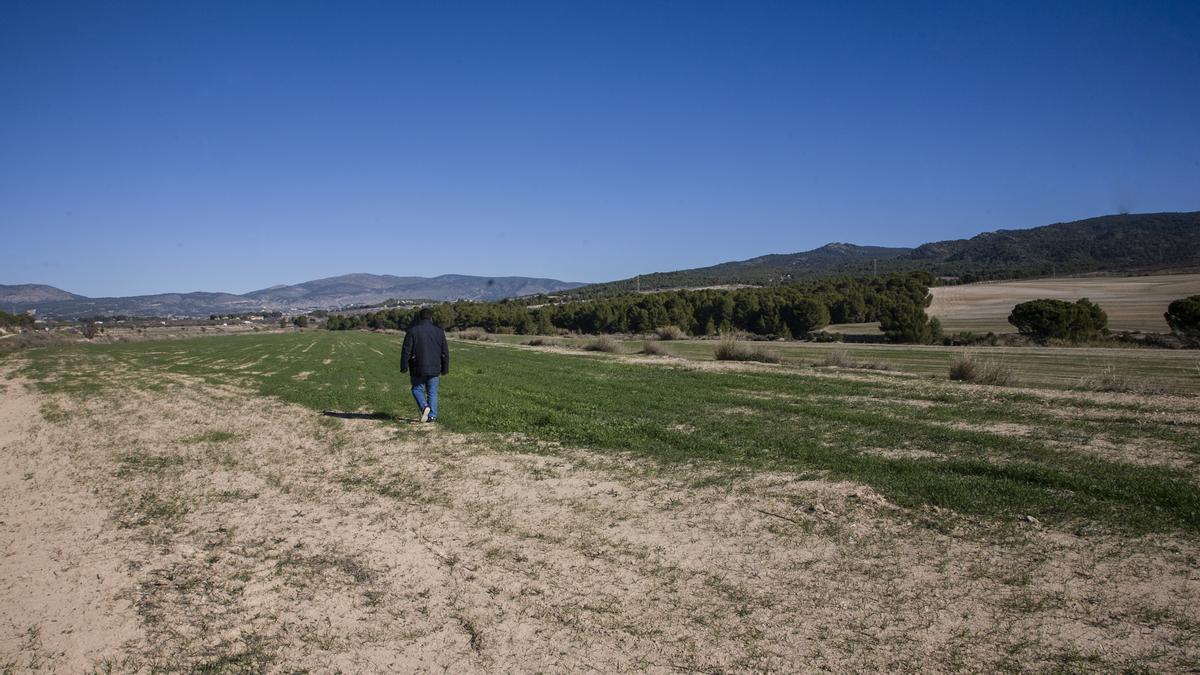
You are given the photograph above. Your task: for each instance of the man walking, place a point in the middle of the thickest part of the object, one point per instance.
(427, 356)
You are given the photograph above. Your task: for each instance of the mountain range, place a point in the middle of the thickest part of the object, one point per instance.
(331, 293)
(1124, 243)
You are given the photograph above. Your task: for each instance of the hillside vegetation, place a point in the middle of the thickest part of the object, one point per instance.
(1116, 243)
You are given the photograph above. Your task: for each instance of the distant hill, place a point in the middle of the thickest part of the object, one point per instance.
(1109, 244)
(1127, 242)
(24, 294)
(761, 270)
(162, 304)
(374, 288)
(331, 293)
(1114, 244)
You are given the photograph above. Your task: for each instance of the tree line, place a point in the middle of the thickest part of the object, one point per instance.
(896, 301)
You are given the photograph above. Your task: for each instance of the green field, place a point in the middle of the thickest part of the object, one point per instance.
(1070, 460)
(1151, 370)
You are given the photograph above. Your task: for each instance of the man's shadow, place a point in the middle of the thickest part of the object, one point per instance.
(380, 416)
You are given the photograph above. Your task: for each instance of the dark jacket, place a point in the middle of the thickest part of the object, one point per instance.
(425, 351)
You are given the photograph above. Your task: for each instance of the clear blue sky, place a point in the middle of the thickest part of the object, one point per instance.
(164, 146)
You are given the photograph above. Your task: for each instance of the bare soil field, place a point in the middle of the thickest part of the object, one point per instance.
(168, 523)
(1132, 303)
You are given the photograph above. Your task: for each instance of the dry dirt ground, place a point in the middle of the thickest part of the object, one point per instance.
(189, 527)
(1132, 303)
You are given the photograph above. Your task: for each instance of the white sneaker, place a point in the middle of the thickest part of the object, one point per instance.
(425, 414)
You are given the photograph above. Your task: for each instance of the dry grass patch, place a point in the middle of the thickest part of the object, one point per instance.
(902, 453)
(670, 333)
(603, 344)
(473, 333)
(965, 368)
(1113, 379)
(840, 358)
(651, 348)
(730, 349)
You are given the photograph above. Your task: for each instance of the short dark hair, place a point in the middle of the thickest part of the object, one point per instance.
(426, 314)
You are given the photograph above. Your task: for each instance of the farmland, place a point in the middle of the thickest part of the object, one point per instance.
(1132, 303)
(262, 501)
(1147, 370)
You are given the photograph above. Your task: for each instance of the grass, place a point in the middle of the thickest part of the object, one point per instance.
(966, 368)
(473, 333)
(139, 462)
(803, 422)
(1108, 378)
(215, 436)
(398, 485)
(603, 344)
(651, 348)
(840, 358)
(53, 414)
(670, 333)
(154, 508)
(731, 349)
(1172, 371)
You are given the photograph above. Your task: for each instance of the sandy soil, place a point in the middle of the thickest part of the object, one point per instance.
(194, 526)
(61, 574)
(1132, 303)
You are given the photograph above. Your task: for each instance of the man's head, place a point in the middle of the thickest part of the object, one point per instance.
(426, 314)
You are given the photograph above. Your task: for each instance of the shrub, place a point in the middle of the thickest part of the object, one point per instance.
(824, 336)
(967, 338)
(473, 333)
(1183, 316)
(542, 342)
(89, 330)
(1107, 378)
(729, 349)
(670, 333)
(603, 344)
(837, 359)
(965, 368)
(654, 349)
(841, 359)
(1047, 319)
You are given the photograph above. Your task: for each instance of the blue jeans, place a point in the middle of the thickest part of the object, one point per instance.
(420, 385)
